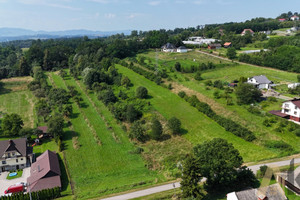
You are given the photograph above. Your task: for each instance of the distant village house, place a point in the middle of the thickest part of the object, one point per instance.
(247, 31)
(168, 48)
(261, 82)
(295, 18)
(227, 44)
(214, 46)
(182, 49)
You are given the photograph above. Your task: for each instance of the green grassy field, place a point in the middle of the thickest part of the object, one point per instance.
(235, 112)
(101, 169)
(200, 128)
(15, 98)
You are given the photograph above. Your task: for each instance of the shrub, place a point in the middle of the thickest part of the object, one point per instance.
(137, 131)
(198, 76)
(156, 129)
(181, 94)
(175, 125)
(141, 92)
(281, 145)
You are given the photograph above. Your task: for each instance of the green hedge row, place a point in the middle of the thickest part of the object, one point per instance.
(46, 194)
(228, 124)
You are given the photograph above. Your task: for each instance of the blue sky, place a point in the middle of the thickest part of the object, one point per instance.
(109, 15)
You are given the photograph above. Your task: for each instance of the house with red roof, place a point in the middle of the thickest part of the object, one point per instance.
(290, 110)
(227, 44)
(45, 172)
(282, 20)
(247, 30)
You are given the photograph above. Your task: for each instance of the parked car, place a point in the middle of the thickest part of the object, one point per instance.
(14, 189)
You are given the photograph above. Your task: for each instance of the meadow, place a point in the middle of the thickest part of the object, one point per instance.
(239, 113)
(199, 127)
(15, 98)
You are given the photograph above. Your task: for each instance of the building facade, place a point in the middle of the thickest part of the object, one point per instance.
(15, 154)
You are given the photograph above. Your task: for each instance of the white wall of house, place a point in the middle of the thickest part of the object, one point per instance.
(232, 196)
(260, 86)
(10, 161)
(290, 109)
(293, 85)
(182, 50)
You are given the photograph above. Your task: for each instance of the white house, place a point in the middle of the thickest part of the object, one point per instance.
(168, 48)
(182, 49)
(293, 85)
(15, 154)
(295, 18)
(261, 82)
(292, 109)
(199, 40)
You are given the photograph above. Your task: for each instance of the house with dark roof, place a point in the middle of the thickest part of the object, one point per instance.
(15, 154)
(45, 172)
(272, 192)
(214, 46)
(261, 82)
(290, 179)
(247, 31)
(168, 48)
(182, 49)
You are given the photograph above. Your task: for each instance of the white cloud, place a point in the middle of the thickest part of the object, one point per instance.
(110, 16)
(154, 3)
(134, 15)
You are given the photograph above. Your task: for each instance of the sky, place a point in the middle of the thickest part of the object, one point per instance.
(113, 15)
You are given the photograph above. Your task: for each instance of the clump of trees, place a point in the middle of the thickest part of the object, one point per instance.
(221, 164)
(12, 124)
(247, 93)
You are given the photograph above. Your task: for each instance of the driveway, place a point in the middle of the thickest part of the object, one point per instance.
(4, 183)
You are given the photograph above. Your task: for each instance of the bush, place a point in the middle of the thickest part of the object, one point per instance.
(181, 94)
(141, 92)
(281, 145)
(137, 131)
(156, 129)
(175, 125)
(198, 76)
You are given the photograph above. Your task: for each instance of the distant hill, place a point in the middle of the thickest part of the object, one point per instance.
(9, 34)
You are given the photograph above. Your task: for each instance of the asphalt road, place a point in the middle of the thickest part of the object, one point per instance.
(171, 186)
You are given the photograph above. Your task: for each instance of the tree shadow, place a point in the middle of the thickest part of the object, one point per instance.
(183, 131)
(84, 105)
(165, 137)
(4, 90)
(64, 177)
(149, 97)
(74, 115)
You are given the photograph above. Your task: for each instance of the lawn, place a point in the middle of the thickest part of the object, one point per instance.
(199, 127)
(15, 98)
(19, 174)
(95, 169)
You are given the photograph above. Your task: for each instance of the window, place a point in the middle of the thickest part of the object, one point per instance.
(22, 165)
(295, 113)
(13, 154)
(3, 162)
(286, 105)
(17, 160)
(8, 155)
(21, 158)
